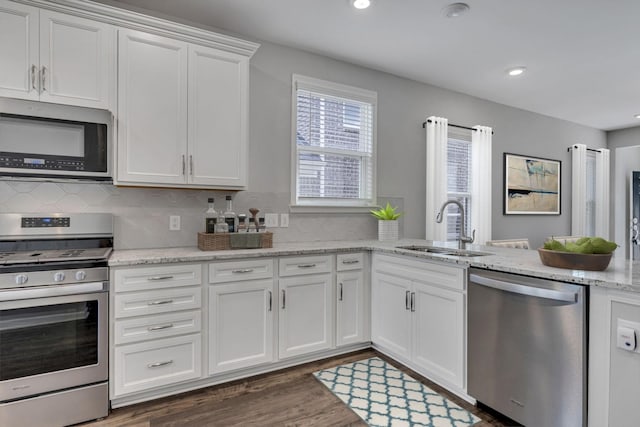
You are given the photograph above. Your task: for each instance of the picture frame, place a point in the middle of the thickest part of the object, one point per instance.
(531, 185)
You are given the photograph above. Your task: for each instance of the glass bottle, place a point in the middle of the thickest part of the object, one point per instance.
(230, 216)
(210, 217)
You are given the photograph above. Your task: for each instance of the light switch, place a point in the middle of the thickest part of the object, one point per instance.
(284, 220)
(271, 220)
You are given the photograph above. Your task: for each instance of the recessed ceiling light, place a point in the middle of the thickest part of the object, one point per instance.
(455, 9)
(637, 116)
(516, 71)
(361, 4)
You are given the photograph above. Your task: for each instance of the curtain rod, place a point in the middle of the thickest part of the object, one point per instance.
(424, 125)
(588, 149)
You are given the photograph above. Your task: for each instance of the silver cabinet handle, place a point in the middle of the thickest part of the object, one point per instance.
(160, 302)
(284, 299)
(350, 261)
(340, 297)
(406, 300)
(158, 364)
(44, 78)
(191, 164)
(34, 71)
(306, 265)
(184, 165)
(413, 301)
(524, 289)
(241, 271)
(270, 300)
(160, 327)
(154, 278)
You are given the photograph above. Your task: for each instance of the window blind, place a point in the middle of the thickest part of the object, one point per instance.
(458, 186)
(334, 147)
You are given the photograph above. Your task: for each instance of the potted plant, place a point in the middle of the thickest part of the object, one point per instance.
(387, 222)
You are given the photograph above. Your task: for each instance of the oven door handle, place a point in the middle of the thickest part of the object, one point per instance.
(52, 291)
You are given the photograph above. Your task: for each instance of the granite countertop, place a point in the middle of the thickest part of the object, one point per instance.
(621, 274)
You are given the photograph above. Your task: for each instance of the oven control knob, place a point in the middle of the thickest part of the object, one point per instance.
(81, 275)
(58, 277)
(21, 279)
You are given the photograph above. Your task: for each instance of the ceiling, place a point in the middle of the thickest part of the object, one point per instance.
(582, 56)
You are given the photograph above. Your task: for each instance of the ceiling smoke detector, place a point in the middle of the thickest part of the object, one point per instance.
(360, 4)
(637, 116)
(455, 10)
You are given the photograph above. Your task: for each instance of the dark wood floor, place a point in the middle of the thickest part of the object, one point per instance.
(290, 397)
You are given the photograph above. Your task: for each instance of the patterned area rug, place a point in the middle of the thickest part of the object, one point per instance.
(384, 396)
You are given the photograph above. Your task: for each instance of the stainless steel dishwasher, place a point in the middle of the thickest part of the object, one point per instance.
(527, 354)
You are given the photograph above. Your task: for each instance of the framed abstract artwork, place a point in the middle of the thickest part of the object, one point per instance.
(531, 185)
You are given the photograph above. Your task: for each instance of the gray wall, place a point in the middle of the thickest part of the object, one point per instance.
(403, 106)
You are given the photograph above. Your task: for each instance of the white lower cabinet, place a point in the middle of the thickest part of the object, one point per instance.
(305, 323)
(156, 363)
(241, 314)
(240, 324)
(156, 333)
(419, 316)
(351, 310)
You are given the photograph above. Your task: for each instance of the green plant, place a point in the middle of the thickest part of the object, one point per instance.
(584, 245)
(388, 213)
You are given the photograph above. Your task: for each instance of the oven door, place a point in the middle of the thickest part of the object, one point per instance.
(54, 341)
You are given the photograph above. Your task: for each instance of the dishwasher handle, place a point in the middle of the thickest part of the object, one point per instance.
(525, 289)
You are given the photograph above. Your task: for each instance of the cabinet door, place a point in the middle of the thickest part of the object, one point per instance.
(152, 109)
(438, 325)
(305, 323)
(217, 118)
(76, 60)
(391, 314)
(350, 308)
(19, 50)
(240, 325)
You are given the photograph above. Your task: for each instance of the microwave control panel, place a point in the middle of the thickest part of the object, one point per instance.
(15, 161)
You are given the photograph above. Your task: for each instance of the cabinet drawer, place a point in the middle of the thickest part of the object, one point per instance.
(153, 327)
(154, 302)
(354, 261)
(433, 273)
(157, 277)
(157, 363)
(296, 266)
(234, 271)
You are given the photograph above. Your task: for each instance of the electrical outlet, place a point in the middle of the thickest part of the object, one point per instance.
(271, 220)
(284, 220)
(174, 222)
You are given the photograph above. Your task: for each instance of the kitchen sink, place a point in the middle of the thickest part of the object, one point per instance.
(438, 250)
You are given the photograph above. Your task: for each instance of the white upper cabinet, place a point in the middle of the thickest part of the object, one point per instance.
(19, 50)
(217, 135)
(152, 108)
(182, 112)
(55, 57)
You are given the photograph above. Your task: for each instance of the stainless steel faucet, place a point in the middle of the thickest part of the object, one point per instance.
(462, 240)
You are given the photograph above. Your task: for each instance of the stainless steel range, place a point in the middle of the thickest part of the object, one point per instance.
(54, 284)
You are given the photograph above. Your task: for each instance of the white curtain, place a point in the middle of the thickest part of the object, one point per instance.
(481, 183)
(602, 193)
(578, 189)
(437, 138)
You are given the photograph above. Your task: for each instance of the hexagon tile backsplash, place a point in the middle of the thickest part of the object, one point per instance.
(141, 216)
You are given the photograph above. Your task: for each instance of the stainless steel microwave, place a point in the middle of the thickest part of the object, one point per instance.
(54, 141)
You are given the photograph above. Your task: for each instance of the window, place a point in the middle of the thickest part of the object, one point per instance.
(334, 144)
(458, 184)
